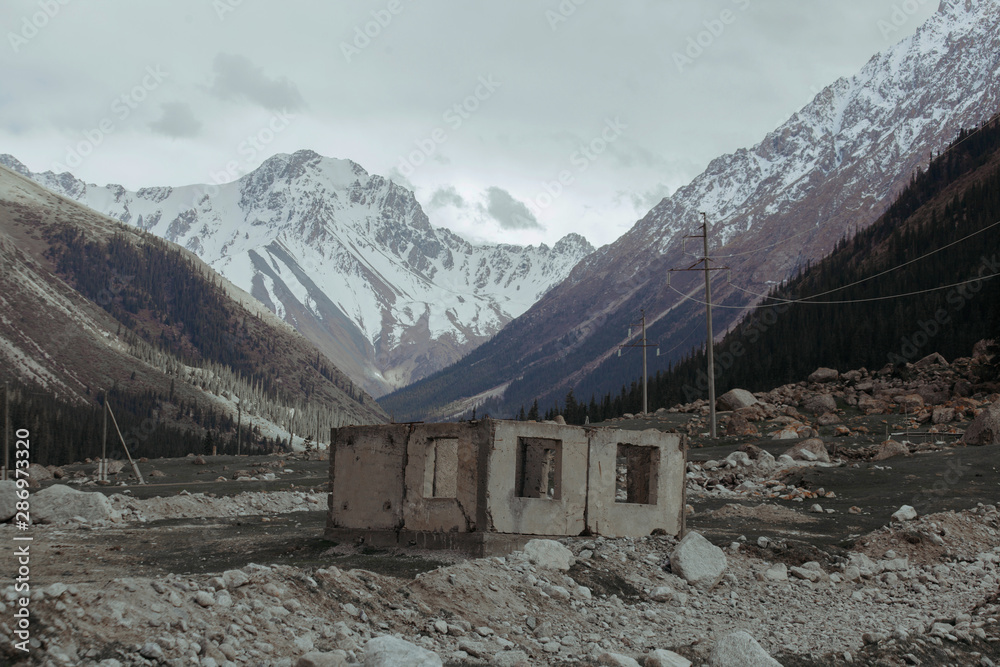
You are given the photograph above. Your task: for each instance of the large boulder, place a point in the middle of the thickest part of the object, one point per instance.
(8, 500)
(734, 399)
(739, 426)
(815, 448)
(823, 375)
(664, 658)
(389, 651)
(890, 448)
(820, 404)
(932, 359)
(739, 649)
(61, 504)
(985, 428)
(38, 472)
(548, 554)
(872, 405)
(698, 561)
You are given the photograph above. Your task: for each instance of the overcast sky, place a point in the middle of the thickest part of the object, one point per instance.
(480, 107)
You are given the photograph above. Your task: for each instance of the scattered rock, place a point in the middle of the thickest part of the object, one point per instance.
(664, 658)
(698, 561)
(933, 359)
(820, 404)
(904, 513)
(389, 651)
(777, 572)
(813, 446)
(8, 499)
(890, 448)
(823, 375)
(739, 648)
(734, 399)
(38, 472)
(319, 659)
(828, 419)
(984, 429)
(616, 660)
(549, 554)
(61, 504)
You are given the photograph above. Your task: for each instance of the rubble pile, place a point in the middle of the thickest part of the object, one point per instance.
(578, 601)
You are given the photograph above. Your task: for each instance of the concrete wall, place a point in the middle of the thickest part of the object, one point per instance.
(443, 477)
(502, 477)
(664, 497)
(518, 448)
(366, 473)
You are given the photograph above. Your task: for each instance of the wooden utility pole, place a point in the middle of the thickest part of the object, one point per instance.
(135, 467)
(643, 345)
(710, 343)
(6, 429)
(102, 472)
(239, 428)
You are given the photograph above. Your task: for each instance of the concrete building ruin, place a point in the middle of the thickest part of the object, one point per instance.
(489, 486)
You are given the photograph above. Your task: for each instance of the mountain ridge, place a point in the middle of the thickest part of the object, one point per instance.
(348, 258)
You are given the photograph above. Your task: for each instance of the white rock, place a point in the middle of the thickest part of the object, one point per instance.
(904, 513)
(60, 504)
(548, 554)
(739, 649)
(698, 561)
(389, 651)
(319, 659)
(510, 659)
(663, 658)
(616, 660)
(734, 399)
(8, 499)
(235, 579)
(662, 594)
(777, 572)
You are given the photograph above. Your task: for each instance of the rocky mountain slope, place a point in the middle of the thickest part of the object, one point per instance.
(833, 167)
(91, 305)
(349, 259)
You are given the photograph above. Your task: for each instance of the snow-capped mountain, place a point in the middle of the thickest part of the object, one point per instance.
(833, 167)
(348, 258)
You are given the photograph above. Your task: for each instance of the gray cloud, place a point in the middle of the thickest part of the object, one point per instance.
(508, 211)
(178, 121)
(236, 78)
(447, 196)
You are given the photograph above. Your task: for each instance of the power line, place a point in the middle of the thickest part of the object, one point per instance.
(843, 302)
(895, 268)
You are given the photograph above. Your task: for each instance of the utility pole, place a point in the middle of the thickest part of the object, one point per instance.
(102, 472)
(710, 343)
(239, 428)
(6, 429)
(643, 345)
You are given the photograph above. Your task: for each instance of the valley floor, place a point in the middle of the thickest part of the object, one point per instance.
(201, 569)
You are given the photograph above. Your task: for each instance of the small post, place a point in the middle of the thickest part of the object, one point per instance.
(239, 428)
